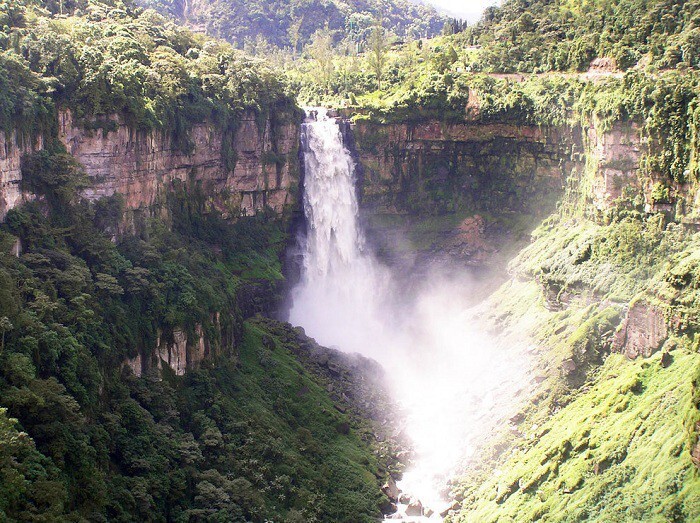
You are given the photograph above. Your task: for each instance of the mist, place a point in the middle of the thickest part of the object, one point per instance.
(452, 379)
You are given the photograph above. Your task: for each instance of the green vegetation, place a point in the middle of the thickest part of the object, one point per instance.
(602, 438)
(248, 435)
(290, 24)
(124, 61)
(562, 35)
(618, 452)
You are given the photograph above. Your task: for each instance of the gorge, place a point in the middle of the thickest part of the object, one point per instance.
(419, 327)
(466, 291)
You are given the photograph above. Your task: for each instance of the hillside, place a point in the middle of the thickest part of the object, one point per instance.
(290, 24)
(560, 35)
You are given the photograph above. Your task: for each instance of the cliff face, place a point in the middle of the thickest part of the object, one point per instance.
(488, 176)
(437, 167)
(460, 189)
(12, 147)
(241, 174)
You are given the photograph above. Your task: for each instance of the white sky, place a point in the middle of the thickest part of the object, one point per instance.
(467, 9)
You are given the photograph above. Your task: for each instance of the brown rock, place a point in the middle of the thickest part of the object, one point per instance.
(391, 489)
(387, 507)
(642, 331)
(666, 359)
(141, 166)
(415, 508)
(453, 507)
(568, 366)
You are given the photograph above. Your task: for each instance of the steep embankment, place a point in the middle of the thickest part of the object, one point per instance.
(471, 190)
(241, 172)
(464, 190)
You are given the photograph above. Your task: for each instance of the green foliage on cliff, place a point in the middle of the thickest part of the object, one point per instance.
(117, 60)
(602, 438)
(620, 451)
(249, 435)
(561, 35)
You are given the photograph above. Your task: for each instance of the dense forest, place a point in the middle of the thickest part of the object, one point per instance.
(560, 35)
(82, 437)
(121, 59)
(291, 24)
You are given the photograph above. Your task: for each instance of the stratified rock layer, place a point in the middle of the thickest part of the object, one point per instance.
(241, 173)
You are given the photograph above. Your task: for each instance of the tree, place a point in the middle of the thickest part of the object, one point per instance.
(294, 33)
(378, 52)
(321, 50)
(5, 326)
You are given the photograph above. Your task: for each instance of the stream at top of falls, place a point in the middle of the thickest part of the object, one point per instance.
(451, 379)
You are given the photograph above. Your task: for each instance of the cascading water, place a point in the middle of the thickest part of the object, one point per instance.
(341, 282)
(451, 380)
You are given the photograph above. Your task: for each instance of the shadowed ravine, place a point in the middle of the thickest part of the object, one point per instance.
(453, 380)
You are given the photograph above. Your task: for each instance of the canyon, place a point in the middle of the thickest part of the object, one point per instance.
(457, 189)
(471, 193)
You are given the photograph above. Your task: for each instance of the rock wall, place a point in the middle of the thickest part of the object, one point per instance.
(12, 147)
(490, 173)
(443, 167)
(255, 168)
(182, 349)
(614, 158)
(642, 331)
(437, 167)
(459, 190)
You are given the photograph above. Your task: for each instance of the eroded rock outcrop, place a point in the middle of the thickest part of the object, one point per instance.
(614, 157)
(642, 331)
(438, 167)
(12, 147)
(513, 167)
(244, 173)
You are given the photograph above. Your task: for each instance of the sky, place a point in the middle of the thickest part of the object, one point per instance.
(467, 9)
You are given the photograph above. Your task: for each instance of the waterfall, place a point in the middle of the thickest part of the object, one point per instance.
(342, 284)
(452, 381)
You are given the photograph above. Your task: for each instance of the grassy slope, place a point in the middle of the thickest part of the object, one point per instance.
(611, 439)
(275, 394)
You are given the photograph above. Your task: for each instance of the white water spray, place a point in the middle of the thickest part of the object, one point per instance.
(338, 301)
(450, 378)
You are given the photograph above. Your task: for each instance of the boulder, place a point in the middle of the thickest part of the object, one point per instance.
(568, 366)
(415, 508)
(454, 506)
(391, 489)
(387, 507)
(666, 359)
